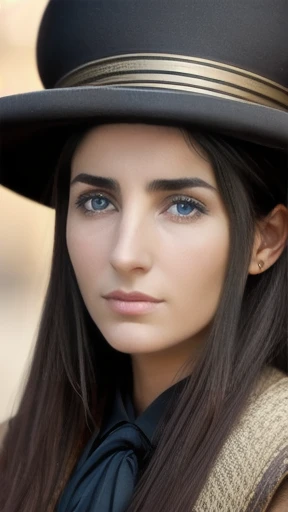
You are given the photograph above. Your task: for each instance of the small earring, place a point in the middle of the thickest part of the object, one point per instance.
(260, 264)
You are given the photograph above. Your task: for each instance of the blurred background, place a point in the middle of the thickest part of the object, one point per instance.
(26, 228)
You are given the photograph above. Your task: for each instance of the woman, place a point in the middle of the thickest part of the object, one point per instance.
(175, 401)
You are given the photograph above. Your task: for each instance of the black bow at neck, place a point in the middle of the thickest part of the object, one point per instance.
(107, 471)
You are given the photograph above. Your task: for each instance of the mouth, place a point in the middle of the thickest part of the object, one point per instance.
(136, 296)
(132, 307)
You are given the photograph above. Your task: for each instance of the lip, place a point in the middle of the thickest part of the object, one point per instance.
(130, 297)
(132, 307)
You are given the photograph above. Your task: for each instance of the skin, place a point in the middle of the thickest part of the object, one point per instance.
(141, 241)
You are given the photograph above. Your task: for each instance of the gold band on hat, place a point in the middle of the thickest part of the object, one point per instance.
(179, 73)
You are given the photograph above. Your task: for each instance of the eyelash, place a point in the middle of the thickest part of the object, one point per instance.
(200, 208)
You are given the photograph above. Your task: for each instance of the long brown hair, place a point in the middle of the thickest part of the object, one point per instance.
(74, 370)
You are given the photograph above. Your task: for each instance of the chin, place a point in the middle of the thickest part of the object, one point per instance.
(134, 339)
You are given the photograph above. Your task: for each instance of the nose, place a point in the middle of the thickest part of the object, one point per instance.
(134, 243)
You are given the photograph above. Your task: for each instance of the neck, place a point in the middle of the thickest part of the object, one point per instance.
(156, 372)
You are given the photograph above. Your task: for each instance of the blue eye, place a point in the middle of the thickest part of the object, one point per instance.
(93, 203)
(97, 203)
(186, 207)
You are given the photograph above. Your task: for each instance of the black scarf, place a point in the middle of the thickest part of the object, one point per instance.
(106, 474)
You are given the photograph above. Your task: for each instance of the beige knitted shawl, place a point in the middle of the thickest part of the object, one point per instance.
(254, 459)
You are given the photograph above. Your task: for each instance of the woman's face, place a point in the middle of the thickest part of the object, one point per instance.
(132, 226)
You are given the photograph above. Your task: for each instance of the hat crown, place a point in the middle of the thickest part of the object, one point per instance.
(213, 65)
(249, 35)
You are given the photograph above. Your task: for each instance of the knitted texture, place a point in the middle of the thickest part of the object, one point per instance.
(254, 459)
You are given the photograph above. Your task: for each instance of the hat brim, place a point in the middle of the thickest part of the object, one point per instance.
(34, 126)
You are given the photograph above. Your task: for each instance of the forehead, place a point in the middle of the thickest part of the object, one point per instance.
(141, 150)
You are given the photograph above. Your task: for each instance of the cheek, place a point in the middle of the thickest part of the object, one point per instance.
(88, 254)
(198, 269)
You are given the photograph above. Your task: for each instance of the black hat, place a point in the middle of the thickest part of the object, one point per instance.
(218, 65)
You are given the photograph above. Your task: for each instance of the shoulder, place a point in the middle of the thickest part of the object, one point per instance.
(265, 421)
(254, 458)
(268, 403)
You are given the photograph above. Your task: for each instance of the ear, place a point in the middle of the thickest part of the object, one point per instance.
(270, 239)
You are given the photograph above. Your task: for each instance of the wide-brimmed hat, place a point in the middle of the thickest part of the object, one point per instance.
(218, 65)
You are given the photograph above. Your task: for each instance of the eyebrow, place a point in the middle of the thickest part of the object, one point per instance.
(153, 186)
